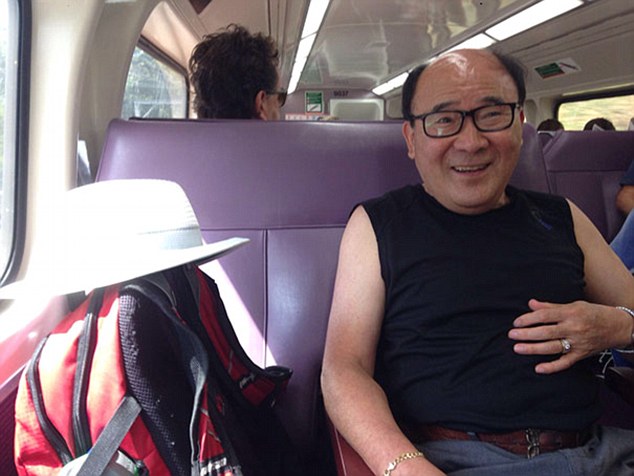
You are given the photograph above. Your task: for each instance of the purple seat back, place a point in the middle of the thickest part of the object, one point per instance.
(545, 136)
(289, 187)
(530, 172)
(586, 167)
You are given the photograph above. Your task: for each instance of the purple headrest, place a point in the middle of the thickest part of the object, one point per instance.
(586, 167)
(257, 174)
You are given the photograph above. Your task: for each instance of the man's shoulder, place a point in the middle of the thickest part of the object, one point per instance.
(545, 206)
(539, 198)
(382, 210)
(394, 198)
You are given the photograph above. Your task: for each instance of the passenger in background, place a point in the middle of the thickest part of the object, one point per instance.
(623, 242)
(464, 309)
(625, 197)
(550, 125)
(235, 76)
(599, 124)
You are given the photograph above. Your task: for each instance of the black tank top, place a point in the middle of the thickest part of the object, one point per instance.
(454, 284)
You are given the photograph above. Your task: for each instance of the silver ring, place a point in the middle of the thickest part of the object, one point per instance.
(566, 346)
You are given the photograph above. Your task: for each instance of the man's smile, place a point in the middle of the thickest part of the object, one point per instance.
(465, 169)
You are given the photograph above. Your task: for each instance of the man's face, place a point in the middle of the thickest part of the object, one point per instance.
(468, 172)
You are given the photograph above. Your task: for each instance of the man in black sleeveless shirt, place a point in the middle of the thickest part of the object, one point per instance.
(464, 309)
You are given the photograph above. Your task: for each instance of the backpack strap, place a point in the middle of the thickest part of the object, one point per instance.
(258, 387)
(215, 455)
(193, 355)
(160, 281)
(111, 437)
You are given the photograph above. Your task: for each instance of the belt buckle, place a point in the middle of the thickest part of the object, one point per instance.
(532, 438)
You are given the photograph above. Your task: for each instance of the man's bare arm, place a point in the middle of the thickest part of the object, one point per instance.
(355, 402)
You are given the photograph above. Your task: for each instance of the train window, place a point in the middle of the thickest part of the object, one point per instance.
(155, 88)
(10, 36)
(617, 109)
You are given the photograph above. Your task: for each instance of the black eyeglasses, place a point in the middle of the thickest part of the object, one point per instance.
(492, 118)
(281, 96)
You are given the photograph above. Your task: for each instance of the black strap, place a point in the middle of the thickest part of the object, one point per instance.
(111, 437)
(193, 353)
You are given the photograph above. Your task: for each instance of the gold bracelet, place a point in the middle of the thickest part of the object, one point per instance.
(631, 313)
(404, 456)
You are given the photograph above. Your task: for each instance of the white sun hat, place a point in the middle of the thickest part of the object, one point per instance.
(117, 230)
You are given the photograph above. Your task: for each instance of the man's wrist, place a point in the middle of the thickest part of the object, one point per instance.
(630, 346)
(402, 457)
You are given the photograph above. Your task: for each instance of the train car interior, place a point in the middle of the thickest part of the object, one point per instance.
(81, 106)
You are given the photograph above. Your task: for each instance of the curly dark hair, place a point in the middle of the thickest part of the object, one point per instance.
(228, 69)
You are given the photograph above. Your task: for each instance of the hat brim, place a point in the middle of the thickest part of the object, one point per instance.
(98, 271)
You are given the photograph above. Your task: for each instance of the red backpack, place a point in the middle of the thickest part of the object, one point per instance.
(148, 377)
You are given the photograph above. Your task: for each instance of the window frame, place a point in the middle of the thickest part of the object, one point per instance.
(10, 264)
(159, 55)
(626, 91)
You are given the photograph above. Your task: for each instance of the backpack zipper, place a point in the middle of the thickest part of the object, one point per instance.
(85, 353)
(54, 437)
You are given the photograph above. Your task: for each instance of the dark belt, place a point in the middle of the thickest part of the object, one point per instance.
(529, 443)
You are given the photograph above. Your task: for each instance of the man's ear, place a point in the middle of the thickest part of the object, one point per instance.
(522, 117)
(260, 110)
(408, 133)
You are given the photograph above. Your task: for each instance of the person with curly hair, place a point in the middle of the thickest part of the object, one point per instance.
(235, 76)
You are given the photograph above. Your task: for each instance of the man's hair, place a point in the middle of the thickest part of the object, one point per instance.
(228, 69)
(514, 68)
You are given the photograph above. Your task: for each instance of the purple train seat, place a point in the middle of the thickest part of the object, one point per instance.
(530, 172)
(288, 187)
(586, 167)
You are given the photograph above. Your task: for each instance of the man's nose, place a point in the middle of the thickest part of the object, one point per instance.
(470, 138)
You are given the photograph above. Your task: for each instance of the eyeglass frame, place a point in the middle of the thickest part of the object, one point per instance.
(463, 114)
(281, 96)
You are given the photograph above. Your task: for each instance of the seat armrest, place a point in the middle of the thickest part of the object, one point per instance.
(621, 381)
(347, 460)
